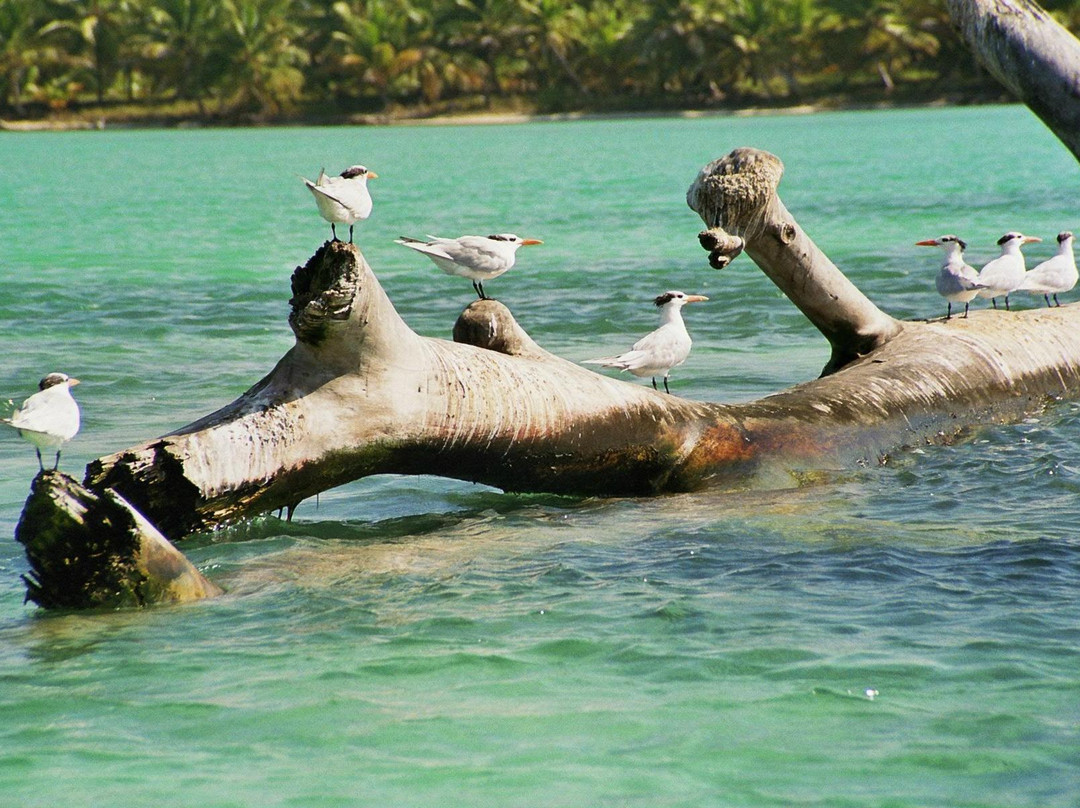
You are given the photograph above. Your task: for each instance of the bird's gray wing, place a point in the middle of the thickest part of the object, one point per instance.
(624, 361)
(661, 348)
(427, 248)
(321, 190)
(475, 251)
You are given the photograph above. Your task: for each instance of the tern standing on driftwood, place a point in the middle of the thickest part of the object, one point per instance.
(1005, 273)
(478, 258)
(956, 281)
(1057, 274)
(666, 347)
(344, 199)
(50, 417)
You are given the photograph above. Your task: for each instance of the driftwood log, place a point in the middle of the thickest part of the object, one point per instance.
(360, 393)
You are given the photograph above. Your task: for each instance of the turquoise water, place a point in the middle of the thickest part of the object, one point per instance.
(904, 635)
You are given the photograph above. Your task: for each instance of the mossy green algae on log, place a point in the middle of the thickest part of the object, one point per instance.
(89, 550)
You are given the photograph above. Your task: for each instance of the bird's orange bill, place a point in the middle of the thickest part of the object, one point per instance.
(72, 382)
(371, 175)
(1029, 239)
(525, 242)
(696, 298)
(930, 242)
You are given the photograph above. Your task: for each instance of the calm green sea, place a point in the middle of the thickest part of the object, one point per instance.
(903, 635)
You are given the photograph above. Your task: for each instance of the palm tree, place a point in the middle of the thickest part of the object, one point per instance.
(371, 47)
(773, 40)
(181, 47)
(552, 32)
(23, 49)
(488, 32)
(265, 58)
(885, 37)
(97, 28)
(671, 44)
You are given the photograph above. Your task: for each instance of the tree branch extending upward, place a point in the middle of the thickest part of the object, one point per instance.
(1033, 56)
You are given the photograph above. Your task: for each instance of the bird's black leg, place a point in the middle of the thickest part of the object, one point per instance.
(994, 301)
(654, 387)
(666, 390)
(1007, 303)
(56, 465)
(1047, 299)
(948, 311)
(40, 463)
(350, 233)
(966, 310)
(1056, 300)
(334, 231)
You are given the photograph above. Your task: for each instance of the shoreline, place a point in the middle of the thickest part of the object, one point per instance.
(97, 120)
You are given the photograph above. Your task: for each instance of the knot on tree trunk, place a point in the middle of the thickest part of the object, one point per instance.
(730, 194)
(489, 324)
(323, 291)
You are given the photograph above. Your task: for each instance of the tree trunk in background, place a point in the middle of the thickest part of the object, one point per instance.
(1034, 57)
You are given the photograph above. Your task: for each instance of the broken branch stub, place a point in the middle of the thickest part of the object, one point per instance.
(736, 197)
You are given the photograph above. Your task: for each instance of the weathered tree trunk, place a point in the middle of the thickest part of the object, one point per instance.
(360, 393)
(1034, 57)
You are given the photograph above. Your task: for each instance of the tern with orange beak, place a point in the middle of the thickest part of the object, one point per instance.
(478, 258)
(1056, 274)
(1005, 273)
(50, 417)
(956, 281)
(343, 199)
(666, 347)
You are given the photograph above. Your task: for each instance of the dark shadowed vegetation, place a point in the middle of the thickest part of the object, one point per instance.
(279, 60)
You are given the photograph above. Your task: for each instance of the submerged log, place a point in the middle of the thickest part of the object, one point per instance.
(1034, 57)
(360, 393)
(88, 550)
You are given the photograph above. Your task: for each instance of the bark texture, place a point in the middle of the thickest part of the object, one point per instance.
(1034, 57)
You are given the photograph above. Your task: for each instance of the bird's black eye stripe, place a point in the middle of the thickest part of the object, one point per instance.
(667, 297)
(355, 171)
(500, 237)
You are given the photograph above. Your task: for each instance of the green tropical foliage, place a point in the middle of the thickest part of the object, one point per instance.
(270, 59)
